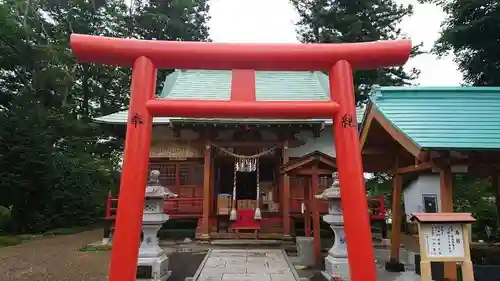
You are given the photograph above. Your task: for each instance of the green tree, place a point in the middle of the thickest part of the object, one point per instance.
(56, 165)
(347, 21)
(470, 33)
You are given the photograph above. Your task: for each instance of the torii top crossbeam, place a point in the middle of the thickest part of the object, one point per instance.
(147, 56)
(205, 55)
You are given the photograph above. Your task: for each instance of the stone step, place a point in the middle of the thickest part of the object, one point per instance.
(245, 242)
(242, 264)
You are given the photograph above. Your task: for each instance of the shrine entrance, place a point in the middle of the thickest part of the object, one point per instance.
(245, 182)
(145, 57)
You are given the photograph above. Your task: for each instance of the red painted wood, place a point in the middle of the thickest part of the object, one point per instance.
(242, 109)
(243, 85)
(350, 170)
(204, 55)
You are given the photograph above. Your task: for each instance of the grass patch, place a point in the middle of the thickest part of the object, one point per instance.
(11, 240)
(70, 230)
(6, 241)
(95, 248)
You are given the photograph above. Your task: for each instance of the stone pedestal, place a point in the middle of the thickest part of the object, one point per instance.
(153, 263)
(336, 263)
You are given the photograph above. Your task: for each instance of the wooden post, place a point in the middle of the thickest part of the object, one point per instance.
(393, 264)
(425, 264)
(285, 202)
(109, 202)
(213, 196)
(467, 266)
(446, 192)
(205, 227)
(307, 212)
(315, 215)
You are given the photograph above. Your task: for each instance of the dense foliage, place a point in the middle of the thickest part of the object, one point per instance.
(470, 33)
(56, 166)
(347, 21)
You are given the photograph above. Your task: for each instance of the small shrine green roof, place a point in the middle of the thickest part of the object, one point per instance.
(444, 118)
(216, 85)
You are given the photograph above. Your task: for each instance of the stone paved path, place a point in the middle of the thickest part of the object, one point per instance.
(246, 265)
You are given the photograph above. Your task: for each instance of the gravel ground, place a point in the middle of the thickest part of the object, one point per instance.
(58, 259)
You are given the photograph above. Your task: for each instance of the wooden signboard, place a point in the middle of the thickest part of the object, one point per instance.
(444, 237)
(175, 150)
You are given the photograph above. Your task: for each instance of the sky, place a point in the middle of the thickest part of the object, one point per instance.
(273, 21)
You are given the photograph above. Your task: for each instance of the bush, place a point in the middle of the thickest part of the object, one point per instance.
(5, 217)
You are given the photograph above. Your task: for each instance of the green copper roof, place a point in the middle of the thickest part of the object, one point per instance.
(198, 84)
(269, 85)
(216, 85)
(443, 118)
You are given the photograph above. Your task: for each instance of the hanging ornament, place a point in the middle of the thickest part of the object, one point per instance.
(258, 213)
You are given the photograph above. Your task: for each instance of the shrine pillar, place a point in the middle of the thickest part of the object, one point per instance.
(446, 190)
(207, 199)
(285, 202)
(315, 215)
(394, 264)
(350, 170)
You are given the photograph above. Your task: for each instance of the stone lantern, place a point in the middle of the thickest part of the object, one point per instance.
(153, 263)
(336, 263)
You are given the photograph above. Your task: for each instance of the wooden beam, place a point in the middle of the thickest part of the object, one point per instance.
(414, 168)
(376, 150)
(309, 172)
(296, 164)
(227, 144)
(315, 217)
(330, 162)
(314, 158)
(260, 144)
(446, 194)
(366, 127)
(285, 202)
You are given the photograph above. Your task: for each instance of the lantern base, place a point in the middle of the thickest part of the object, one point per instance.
(336, 268)
(153, 269)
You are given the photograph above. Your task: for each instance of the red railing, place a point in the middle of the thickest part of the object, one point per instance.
(378, 212)
(191, 207)
(296, 207)
(176, 208)
(188, 207)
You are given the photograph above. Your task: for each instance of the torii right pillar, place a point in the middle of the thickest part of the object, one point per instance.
(350, 170)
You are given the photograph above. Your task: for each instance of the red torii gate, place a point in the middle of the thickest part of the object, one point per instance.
(145, 57)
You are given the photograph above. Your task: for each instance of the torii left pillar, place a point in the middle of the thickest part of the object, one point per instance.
(135, 166)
